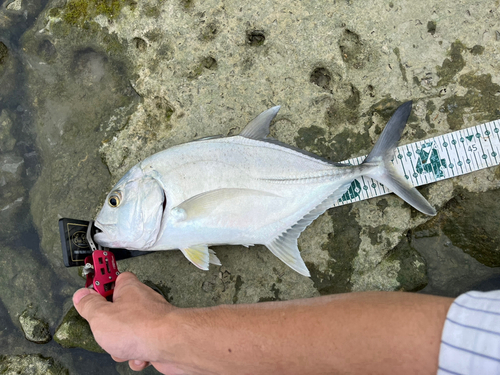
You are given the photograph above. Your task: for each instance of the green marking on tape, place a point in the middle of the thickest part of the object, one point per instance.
(435, 159)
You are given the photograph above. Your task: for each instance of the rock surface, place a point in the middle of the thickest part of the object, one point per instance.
(34, 328)
(458, 221)
(112, 84)
(30, 365)
(24, 281)
(74, 332)
(12, 194)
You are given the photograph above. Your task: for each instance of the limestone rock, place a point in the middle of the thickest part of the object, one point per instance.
(34, 328)
(30, 364)
(15, 5)
(118, 82)
(7, 141)
(74, 332)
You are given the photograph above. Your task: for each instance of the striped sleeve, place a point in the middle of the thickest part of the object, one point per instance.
(470, 343)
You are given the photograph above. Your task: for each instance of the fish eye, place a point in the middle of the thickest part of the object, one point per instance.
(114, 200)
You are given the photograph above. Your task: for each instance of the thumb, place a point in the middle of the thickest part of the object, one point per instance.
(87, 301)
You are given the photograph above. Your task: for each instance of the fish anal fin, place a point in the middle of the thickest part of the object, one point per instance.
(258, 128)
(285, 245)
(198, 255)
(285, 248)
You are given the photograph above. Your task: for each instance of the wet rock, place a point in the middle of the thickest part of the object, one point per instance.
(25, 279)
(11, 167)
(412, 273)
(47, 51)
(451, 271)
(32, 364)
(7, 72)
(34, 328)
(12, 196)
(80, 75)
(15, 5)
(247, 276)
(4, 54)
(74, 332)
(222, 66)
(7, 141)
(333, 274)
(16, 16)
(459, 221)
(10, 334)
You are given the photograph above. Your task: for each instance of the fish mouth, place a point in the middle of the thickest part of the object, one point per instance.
(103, 232)
(103, 227)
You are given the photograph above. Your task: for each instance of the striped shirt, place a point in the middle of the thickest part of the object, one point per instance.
(470, 343)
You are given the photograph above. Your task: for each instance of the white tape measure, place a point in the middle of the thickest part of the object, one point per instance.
(435, 159)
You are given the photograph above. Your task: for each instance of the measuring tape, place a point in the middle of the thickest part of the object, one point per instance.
(434, 159)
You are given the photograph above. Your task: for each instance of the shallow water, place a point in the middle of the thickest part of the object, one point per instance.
(20, 233)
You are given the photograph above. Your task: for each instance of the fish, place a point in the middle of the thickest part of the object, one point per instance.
(245, 189)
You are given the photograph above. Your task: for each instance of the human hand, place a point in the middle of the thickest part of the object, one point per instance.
(129, 327)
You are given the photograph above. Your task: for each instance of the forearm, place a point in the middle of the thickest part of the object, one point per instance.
(374, 332)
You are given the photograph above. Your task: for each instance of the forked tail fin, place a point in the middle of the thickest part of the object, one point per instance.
(381, 155)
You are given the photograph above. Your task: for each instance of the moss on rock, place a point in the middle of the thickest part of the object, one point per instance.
(34, 328)
(74, 332)
(31, 364)
(481, 101)
(452, 65)
(412, 275)
(77, 12)
(342, 247)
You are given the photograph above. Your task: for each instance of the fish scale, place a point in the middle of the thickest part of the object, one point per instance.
(434, 159)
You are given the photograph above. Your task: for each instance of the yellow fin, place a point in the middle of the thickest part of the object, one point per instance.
(198, 255)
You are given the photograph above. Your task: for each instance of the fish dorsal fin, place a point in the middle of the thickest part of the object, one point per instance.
(258, 128)
(285, 245)
(205, 203)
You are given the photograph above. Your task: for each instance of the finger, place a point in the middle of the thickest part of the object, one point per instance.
(129, 287)
(116, 359)
(125, 279)
(87, 301)
(137, 365)
(123, 282)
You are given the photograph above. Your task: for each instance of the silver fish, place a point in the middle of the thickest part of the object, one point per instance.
(239, 190)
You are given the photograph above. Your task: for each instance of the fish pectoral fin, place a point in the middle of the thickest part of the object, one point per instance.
(258, 128)
(205, 203)
(199, 255)
(285, 248)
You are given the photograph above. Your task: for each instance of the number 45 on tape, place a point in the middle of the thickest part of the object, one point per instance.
(435, 159)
